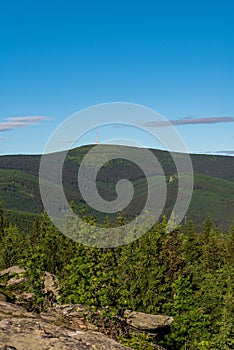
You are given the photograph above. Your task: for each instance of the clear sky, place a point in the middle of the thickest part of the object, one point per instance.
(57, 57)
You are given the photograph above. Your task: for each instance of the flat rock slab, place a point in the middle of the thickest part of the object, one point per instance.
(22, 330)
(12, 270)
(146, 322)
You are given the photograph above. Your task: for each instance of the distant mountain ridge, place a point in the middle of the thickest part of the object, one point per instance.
(213, 185)
(220, 166)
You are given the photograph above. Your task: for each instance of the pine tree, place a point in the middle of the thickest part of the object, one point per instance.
(1, 221)
(13, 246)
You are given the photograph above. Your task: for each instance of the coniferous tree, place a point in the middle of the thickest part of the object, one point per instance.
(1, 221)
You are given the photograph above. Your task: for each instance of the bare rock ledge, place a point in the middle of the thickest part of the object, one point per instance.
(146, 322)
(22, 330)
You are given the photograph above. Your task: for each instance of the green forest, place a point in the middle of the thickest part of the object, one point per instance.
(187, 274)
(213, 191)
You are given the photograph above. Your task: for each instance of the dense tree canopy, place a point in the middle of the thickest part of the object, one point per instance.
(187, 274)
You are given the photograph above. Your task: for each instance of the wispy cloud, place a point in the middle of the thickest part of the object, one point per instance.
(229, 152)
(189, 121)
(19, 122)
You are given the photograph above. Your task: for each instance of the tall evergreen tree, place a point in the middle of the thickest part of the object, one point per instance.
(1, 221)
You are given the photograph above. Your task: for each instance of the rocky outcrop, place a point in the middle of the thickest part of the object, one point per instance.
(14, 279)
(12, 270)
(12, 276)
(51, 285)
(63, 326)
(148, 323)
(22, 330)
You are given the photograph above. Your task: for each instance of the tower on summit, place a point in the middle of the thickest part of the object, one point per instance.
(97, 138)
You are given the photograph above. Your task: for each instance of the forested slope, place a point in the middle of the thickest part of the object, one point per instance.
(187, 274)
(213, 184)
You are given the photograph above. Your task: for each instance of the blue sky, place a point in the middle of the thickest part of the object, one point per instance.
(57, 57)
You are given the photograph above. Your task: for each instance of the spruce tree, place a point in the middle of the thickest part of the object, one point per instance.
(1, 221)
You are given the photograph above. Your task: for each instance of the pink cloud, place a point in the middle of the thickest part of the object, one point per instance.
(26, 119)
(19, 122)
(190, 121)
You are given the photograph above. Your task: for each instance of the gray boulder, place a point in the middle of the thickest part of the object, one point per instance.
(146, 322)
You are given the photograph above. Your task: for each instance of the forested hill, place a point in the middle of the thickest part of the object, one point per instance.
(213, 185)
(211, 165)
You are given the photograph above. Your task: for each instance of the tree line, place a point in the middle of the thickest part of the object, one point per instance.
(187, 274)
